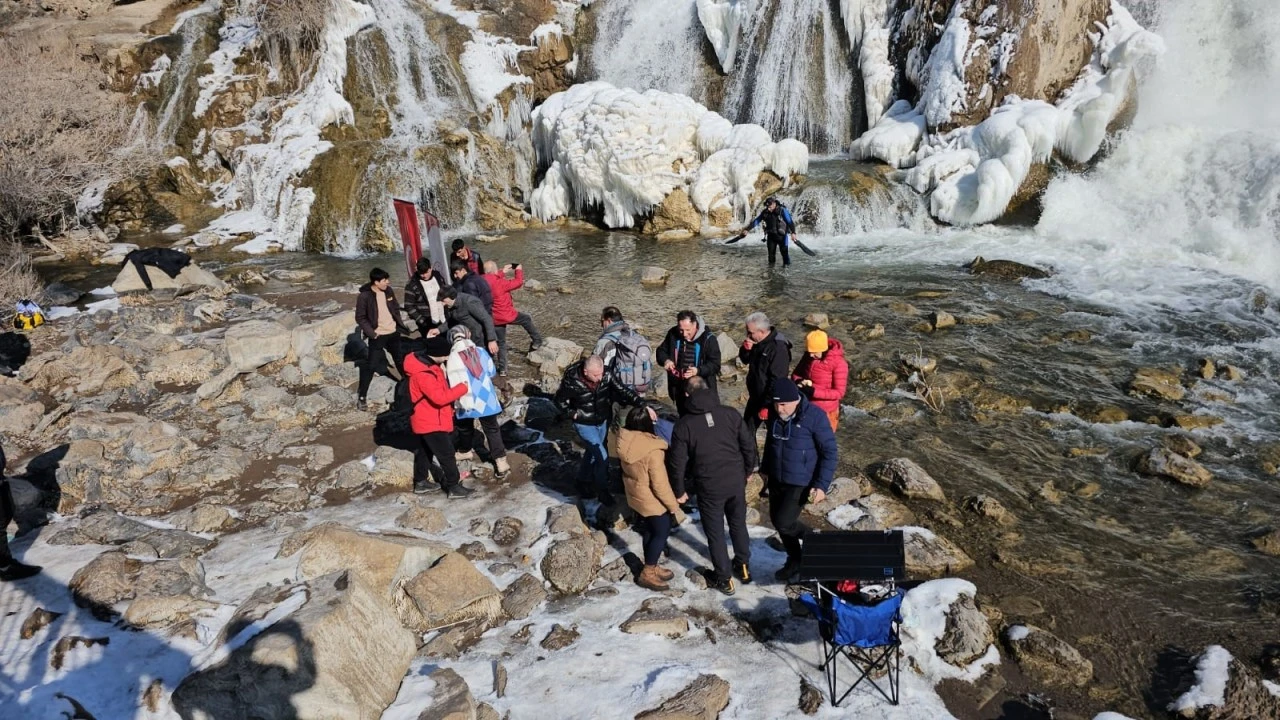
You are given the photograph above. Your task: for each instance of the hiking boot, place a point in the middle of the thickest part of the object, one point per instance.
(422, 488)
(536, 345)
(789, 572)
(15, 570)
(501, 468)
(361, 405)
(742, 571)
(650, 579)
(663, 573)
(457, 491)
(724, 585)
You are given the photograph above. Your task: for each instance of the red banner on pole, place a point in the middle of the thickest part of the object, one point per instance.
(410, 235)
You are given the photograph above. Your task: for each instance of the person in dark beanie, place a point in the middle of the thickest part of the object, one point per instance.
(10, 569)
(460, 251)
(432, 419)
(379, 318)
(421, 299)
(799, 463)
(712, 447)
(690, 350)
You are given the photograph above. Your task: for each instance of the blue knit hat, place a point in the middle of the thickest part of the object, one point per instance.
(785, 391)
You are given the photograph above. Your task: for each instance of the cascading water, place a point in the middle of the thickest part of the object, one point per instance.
(178, 81)
(827, 203)
(794, 75)
(1194, 186)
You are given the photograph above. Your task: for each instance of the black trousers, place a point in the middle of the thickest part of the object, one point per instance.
(492, 434)
(436, 446)
(377, 363)
(751, 416)
(775, 244)
(524, 320)
(785, 503)
(715, 508)
(654, 531)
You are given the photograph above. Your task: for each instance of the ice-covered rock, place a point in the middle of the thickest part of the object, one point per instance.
(721, 19)
(626, 151)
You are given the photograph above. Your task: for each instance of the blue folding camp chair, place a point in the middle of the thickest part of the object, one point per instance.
(863, 633)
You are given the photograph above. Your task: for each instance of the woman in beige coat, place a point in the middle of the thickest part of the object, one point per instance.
(644, 472)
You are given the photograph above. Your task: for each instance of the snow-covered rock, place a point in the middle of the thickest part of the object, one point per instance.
(626, 151)
(1046, 657)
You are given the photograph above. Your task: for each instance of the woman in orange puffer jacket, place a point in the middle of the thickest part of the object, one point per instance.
(823, 374)
(432, 419)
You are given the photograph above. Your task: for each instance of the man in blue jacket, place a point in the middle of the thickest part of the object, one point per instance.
(799, 461)
(777, 226)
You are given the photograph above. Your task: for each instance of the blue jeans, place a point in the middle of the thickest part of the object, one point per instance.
(593, 474)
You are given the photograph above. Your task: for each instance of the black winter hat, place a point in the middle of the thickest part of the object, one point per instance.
(438, 346)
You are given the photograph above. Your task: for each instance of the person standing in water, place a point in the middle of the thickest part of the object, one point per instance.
(778, 227)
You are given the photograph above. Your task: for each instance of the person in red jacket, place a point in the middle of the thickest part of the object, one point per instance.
(432, 419)
(504, 308)
(823, 374)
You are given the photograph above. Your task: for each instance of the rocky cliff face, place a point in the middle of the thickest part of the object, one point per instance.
(302, 149)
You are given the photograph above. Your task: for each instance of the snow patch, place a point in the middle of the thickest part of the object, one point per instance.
(1017, 632)
(1210, 690)
(152, 78)
(625, 151)
(489, 64)
(721, 19)
(1111, 716)
(924, 621)
(235, 34)
(57, 312)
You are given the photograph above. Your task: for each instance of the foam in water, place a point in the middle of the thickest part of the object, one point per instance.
(1194, 186)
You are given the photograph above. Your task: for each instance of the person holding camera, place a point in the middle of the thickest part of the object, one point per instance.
(690, 350)
(504, 308)
(799, 462)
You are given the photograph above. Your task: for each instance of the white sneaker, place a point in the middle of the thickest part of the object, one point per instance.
(501, 467)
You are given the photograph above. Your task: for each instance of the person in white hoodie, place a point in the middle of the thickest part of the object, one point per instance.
(474, 367)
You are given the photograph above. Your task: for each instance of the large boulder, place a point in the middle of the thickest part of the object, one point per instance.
(1047, 658)
(1226, 689)
(326, 649)
(571, 563)
(675, 212)
(522, 596)
(183, 367)
(881, 512)
(702, 699)
(907, 479)
(317, 343)
(252, 344)
(82, 372)
(114, 577)
(967, 635)
(128, 279)
(453, 590)
(382, 562)
(555, 355)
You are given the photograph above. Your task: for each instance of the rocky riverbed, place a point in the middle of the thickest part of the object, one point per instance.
(206, 480)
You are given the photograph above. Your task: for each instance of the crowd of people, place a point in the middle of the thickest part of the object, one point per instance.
(700, 456)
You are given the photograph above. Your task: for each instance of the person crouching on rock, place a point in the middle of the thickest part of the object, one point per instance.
(473, 368)
(822, 374)
(432, 419)
(799, 462)
(378, 315)
(644, 473)
(587, 394)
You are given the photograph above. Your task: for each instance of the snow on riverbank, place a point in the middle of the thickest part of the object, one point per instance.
(605, 673)
(625, 151)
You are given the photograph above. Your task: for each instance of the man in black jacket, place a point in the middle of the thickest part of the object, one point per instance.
(690, 350)
(472, 284)
(379, 318)
(713, 447)
(768, 357)
(464, 309)
(587, 394)
(421, 299)
(10, 569)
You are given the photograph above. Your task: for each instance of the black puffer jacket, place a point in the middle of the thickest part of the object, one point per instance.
(711, 446)
(767, 361)
(587, 405)
(476, 285)
(703, 347)
(417, 305)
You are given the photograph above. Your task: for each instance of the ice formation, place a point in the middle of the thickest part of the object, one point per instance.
(866, 23)
(973, 172)
(721, 19)
(625, 151)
